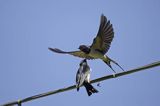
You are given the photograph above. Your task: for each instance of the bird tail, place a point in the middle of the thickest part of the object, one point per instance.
(89, 88)
(108, 62)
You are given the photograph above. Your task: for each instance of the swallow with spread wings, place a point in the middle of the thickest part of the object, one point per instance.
(99, 47)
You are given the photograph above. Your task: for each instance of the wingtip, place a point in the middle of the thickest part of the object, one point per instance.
(103, 16)
(53, 49)
(49, 48)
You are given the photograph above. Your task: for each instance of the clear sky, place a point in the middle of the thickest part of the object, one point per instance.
(27, 67)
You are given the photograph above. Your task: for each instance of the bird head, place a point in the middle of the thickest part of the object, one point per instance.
(84, 49)
(83, 62)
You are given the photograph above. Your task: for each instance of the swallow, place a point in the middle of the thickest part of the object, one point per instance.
(83, 78)
(99, 47)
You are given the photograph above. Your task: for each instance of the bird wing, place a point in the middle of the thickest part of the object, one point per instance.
(80, 77)
(104, 36)
(82, 74)
(74, 53)
(77, 78)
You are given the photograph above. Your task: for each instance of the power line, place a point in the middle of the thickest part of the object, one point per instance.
(20, 101)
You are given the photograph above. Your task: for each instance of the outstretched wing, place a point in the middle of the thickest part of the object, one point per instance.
(104, 36)
(74, 53)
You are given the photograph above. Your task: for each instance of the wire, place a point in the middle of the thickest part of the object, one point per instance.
(20, 101)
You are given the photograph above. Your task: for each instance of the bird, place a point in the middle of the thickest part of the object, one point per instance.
(83, 78)
(99, 47)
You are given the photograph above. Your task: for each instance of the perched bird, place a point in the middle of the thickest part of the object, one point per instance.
(99, 47)
(83, 78)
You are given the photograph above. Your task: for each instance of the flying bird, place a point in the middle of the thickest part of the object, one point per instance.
(83, 78)
(99, 47)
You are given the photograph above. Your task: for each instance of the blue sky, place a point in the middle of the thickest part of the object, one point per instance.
(27, 67)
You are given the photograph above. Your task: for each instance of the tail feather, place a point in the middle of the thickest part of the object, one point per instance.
(117, 64)
(89, 88)
(108, 62)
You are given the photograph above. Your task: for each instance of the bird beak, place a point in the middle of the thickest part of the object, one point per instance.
(85, 60)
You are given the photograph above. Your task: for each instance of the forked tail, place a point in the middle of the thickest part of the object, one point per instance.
(108, 62)
(89, 88)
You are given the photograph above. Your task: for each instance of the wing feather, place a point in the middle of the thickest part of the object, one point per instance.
(104, 36)
(74, 53)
